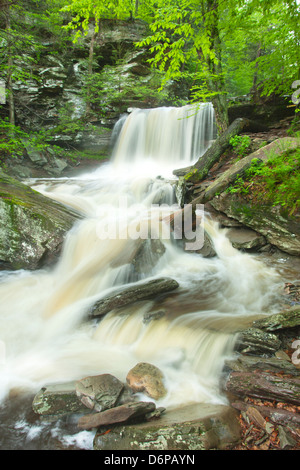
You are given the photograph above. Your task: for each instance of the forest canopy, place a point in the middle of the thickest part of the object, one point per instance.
(222, 49)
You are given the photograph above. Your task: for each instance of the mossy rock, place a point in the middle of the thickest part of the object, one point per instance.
(32, 226)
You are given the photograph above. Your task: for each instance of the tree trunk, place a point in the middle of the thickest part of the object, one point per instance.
(212, 155)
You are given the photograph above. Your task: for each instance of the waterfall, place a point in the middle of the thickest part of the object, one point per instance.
(165, 136)
(43, 319)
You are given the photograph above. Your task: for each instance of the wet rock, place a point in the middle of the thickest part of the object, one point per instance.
(255, 341)
(278, 229)
(140, 291)
(57, 399)
(194, 427)
(148, 255)
(253, 363)
(208, 249)
(119, 414)
(261, 384)
(99, 392)
(147, 378)
(151, 316)
(285, 319)
(245, 239)
(32, 226)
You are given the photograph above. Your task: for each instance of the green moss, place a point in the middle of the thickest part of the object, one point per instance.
(193, 176)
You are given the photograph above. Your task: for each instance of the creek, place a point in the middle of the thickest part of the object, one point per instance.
(46, 336)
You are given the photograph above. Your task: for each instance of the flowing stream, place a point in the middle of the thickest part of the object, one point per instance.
(46, 336)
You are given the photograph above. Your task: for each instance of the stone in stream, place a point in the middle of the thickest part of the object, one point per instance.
(147, 378)
(194, 427)
(32, 226)
(255, 341)
(264, 385)
(142, 255)
(286, 319)
(57, 399)
(126, 296)
(99, 392)
(119, 414)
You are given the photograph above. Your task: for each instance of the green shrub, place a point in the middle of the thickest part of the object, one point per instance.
(240, 144)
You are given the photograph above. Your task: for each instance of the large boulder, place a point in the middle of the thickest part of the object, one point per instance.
(278, 229)
(32, 226)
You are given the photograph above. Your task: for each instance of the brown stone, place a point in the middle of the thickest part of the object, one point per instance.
(148, 379)
(119, 414)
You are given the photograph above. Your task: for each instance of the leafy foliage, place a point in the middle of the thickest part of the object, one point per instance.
(241, 144)
(277, 181)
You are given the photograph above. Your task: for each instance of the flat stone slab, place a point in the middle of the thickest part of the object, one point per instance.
(244, 238)
(57, 399)
(193, 427)
(119, 414)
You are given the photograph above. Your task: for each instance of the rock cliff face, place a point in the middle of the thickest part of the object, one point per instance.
(122, 79)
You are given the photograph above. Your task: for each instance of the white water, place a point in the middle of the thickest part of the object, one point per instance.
(44, 330)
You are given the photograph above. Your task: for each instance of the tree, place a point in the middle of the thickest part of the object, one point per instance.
(227, 45)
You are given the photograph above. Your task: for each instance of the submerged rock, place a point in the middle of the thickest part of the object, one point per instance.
(32, 226)
(140, 291)
(147, 378)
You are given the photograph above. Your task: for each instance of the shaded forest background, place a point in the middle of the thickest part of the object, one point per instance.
(68, 69)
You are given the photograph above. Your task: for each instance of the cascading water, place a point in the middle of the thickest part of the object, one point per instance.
(43, 318)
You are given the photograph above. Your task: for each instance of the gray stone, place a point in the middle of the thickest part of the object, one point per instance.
(32, 226)
(252, 363)
(99, 392)
(285, 319)
(194, 427)
(140, 291)
(278, 230)
(255, 341)
(245, 239)
(57, 399)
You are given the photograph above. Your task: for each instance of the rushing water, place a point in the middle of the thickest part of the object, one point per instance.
(45, 333)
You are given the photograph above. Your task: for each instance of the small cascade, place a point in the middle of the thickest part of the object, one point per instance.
(166, 136)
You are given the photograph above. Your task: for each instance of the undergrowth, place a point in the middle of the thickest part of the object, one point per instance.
(275, 181)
